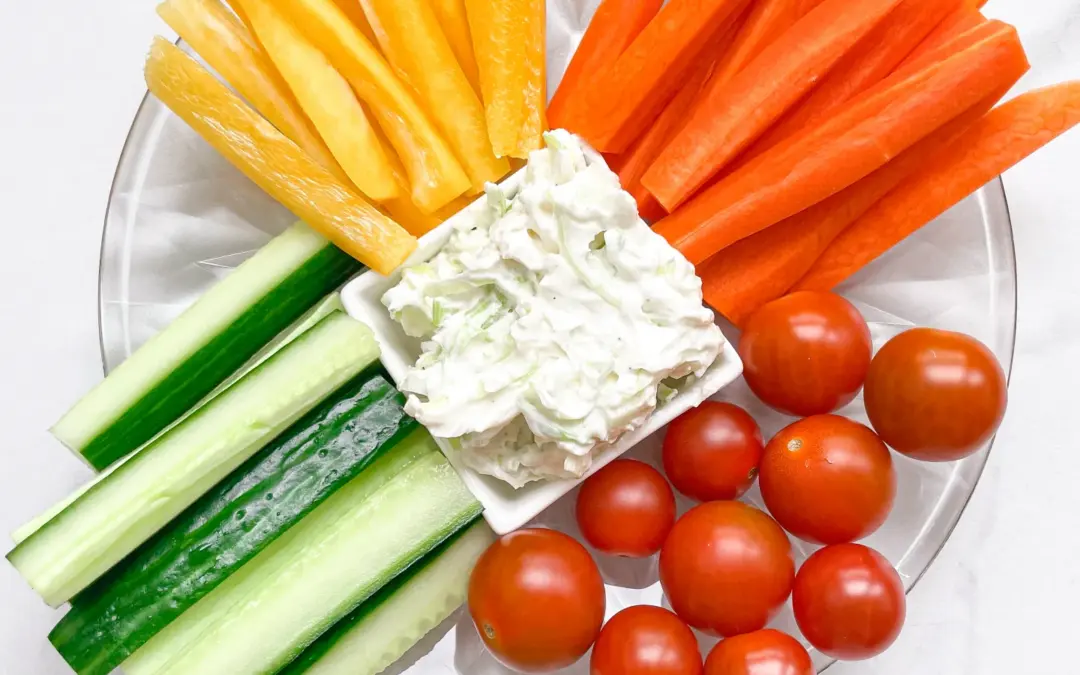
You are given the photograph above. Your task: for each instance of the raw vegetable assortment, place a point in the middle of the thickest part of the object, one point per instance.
(265, 503)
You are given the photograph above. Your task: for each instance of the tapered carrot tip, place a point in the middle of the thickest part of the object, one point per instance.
(995, 143)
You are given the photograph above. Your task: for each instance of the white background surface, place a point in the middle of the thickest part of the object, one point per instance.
(1002, 598)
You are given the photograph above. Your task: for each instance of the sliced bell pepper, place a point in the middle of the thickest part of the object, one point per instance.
(273, 162)
(455, 24)
(327, 99)
(435, 175)
(509, 42)
(230, 49)
(410, 36)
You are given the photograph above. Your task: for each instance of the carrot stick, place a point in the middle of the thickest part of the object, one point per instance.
(632, 164)
(805, 6)
(962, 20)
(733, 114)
(876, 55)
(631, 92)
(766, 22)
(761, 268)
(613, 27)
(861, 138)
(992, 145)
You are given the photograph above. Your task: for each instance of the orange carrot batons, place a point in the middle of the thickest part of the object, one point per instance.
(630, 93)
(999, 140)
(869, 62)
(731, 115)
(763, 267)
(863, 136)
(273, 162)
(613, 27)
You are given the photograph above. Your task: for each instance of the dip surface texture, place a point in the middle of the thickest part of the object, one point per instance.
(553, 321)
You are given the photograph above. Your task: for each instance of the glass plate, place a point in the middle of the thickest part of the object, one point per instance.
(180, 217)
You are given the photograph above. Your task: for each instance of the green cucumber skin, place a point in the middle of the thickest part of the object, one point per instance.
(227, 527)
(185, 386)
(317, 649)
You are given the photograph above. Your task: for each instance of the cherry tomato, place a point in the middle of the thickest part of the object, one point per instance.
(626, 508)
(726, 568)
(935, 395)
(646, 640)
(806, 353)
(849, 602)
(765, 652)
(828, 480)
(712, 452)
(537, 600)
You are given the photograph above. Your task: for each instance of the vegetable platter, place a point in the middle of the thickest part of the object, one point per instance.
(283, 511)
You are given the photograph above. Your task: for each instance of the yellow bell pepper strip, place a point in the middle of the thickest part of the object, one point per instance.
(409, 34)
(327, 99)
(435, 175)
(353, 10)
(223, 42)
(508, 39)
(455, 24)
(273, 162)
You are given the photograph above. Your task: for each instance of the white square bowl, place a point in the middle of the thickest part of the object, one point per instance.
(505, 508)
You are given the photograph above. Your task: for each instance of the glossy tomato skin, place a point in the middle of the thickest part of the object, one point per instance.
(935, 395)
(764, 652)
(828, 480)
(646, 640)
(849, 602)
(626, 509)
(726, 568)
(712, 452)
(806, 353)
(537, 600)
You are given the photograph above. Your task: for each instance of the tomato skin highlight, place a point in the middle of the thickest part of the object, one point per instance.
(806, 353)
(537, 599)
(764, 652)
(646, 640)
(626, 509)
(849, 602)
(712, 452)
(726, 568)
(828, 480)
(935, 395)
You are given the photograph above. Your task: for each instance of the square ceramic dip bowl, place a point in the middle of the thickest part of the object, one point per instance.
(506, 508)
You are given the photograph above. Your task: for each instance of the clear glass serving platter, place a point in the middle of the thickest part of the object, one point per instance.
(180, 218)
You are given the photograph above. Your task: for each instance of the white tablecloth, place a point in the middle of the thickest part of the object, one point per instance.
(1001, 598)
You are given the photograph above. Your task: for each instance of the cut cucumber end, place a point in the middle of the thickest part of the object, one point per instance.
(214, 337)
(122, 511)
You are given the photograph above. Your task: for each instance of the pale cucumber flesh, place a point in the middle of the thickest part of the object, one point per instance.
(267, 613)
(117, 514)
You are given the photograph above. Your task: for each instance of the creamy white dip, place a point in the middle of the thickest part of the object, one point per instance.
(553, 322)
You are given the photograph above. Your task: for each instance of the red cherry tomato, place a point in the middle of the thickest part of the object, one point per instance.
(935, 395)
(849, 602)
(726, 568)
(806, 353)
(646, 640)
(626, 508)
(828, 480)
(765, 652)
(537, 600)
(712, 452)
